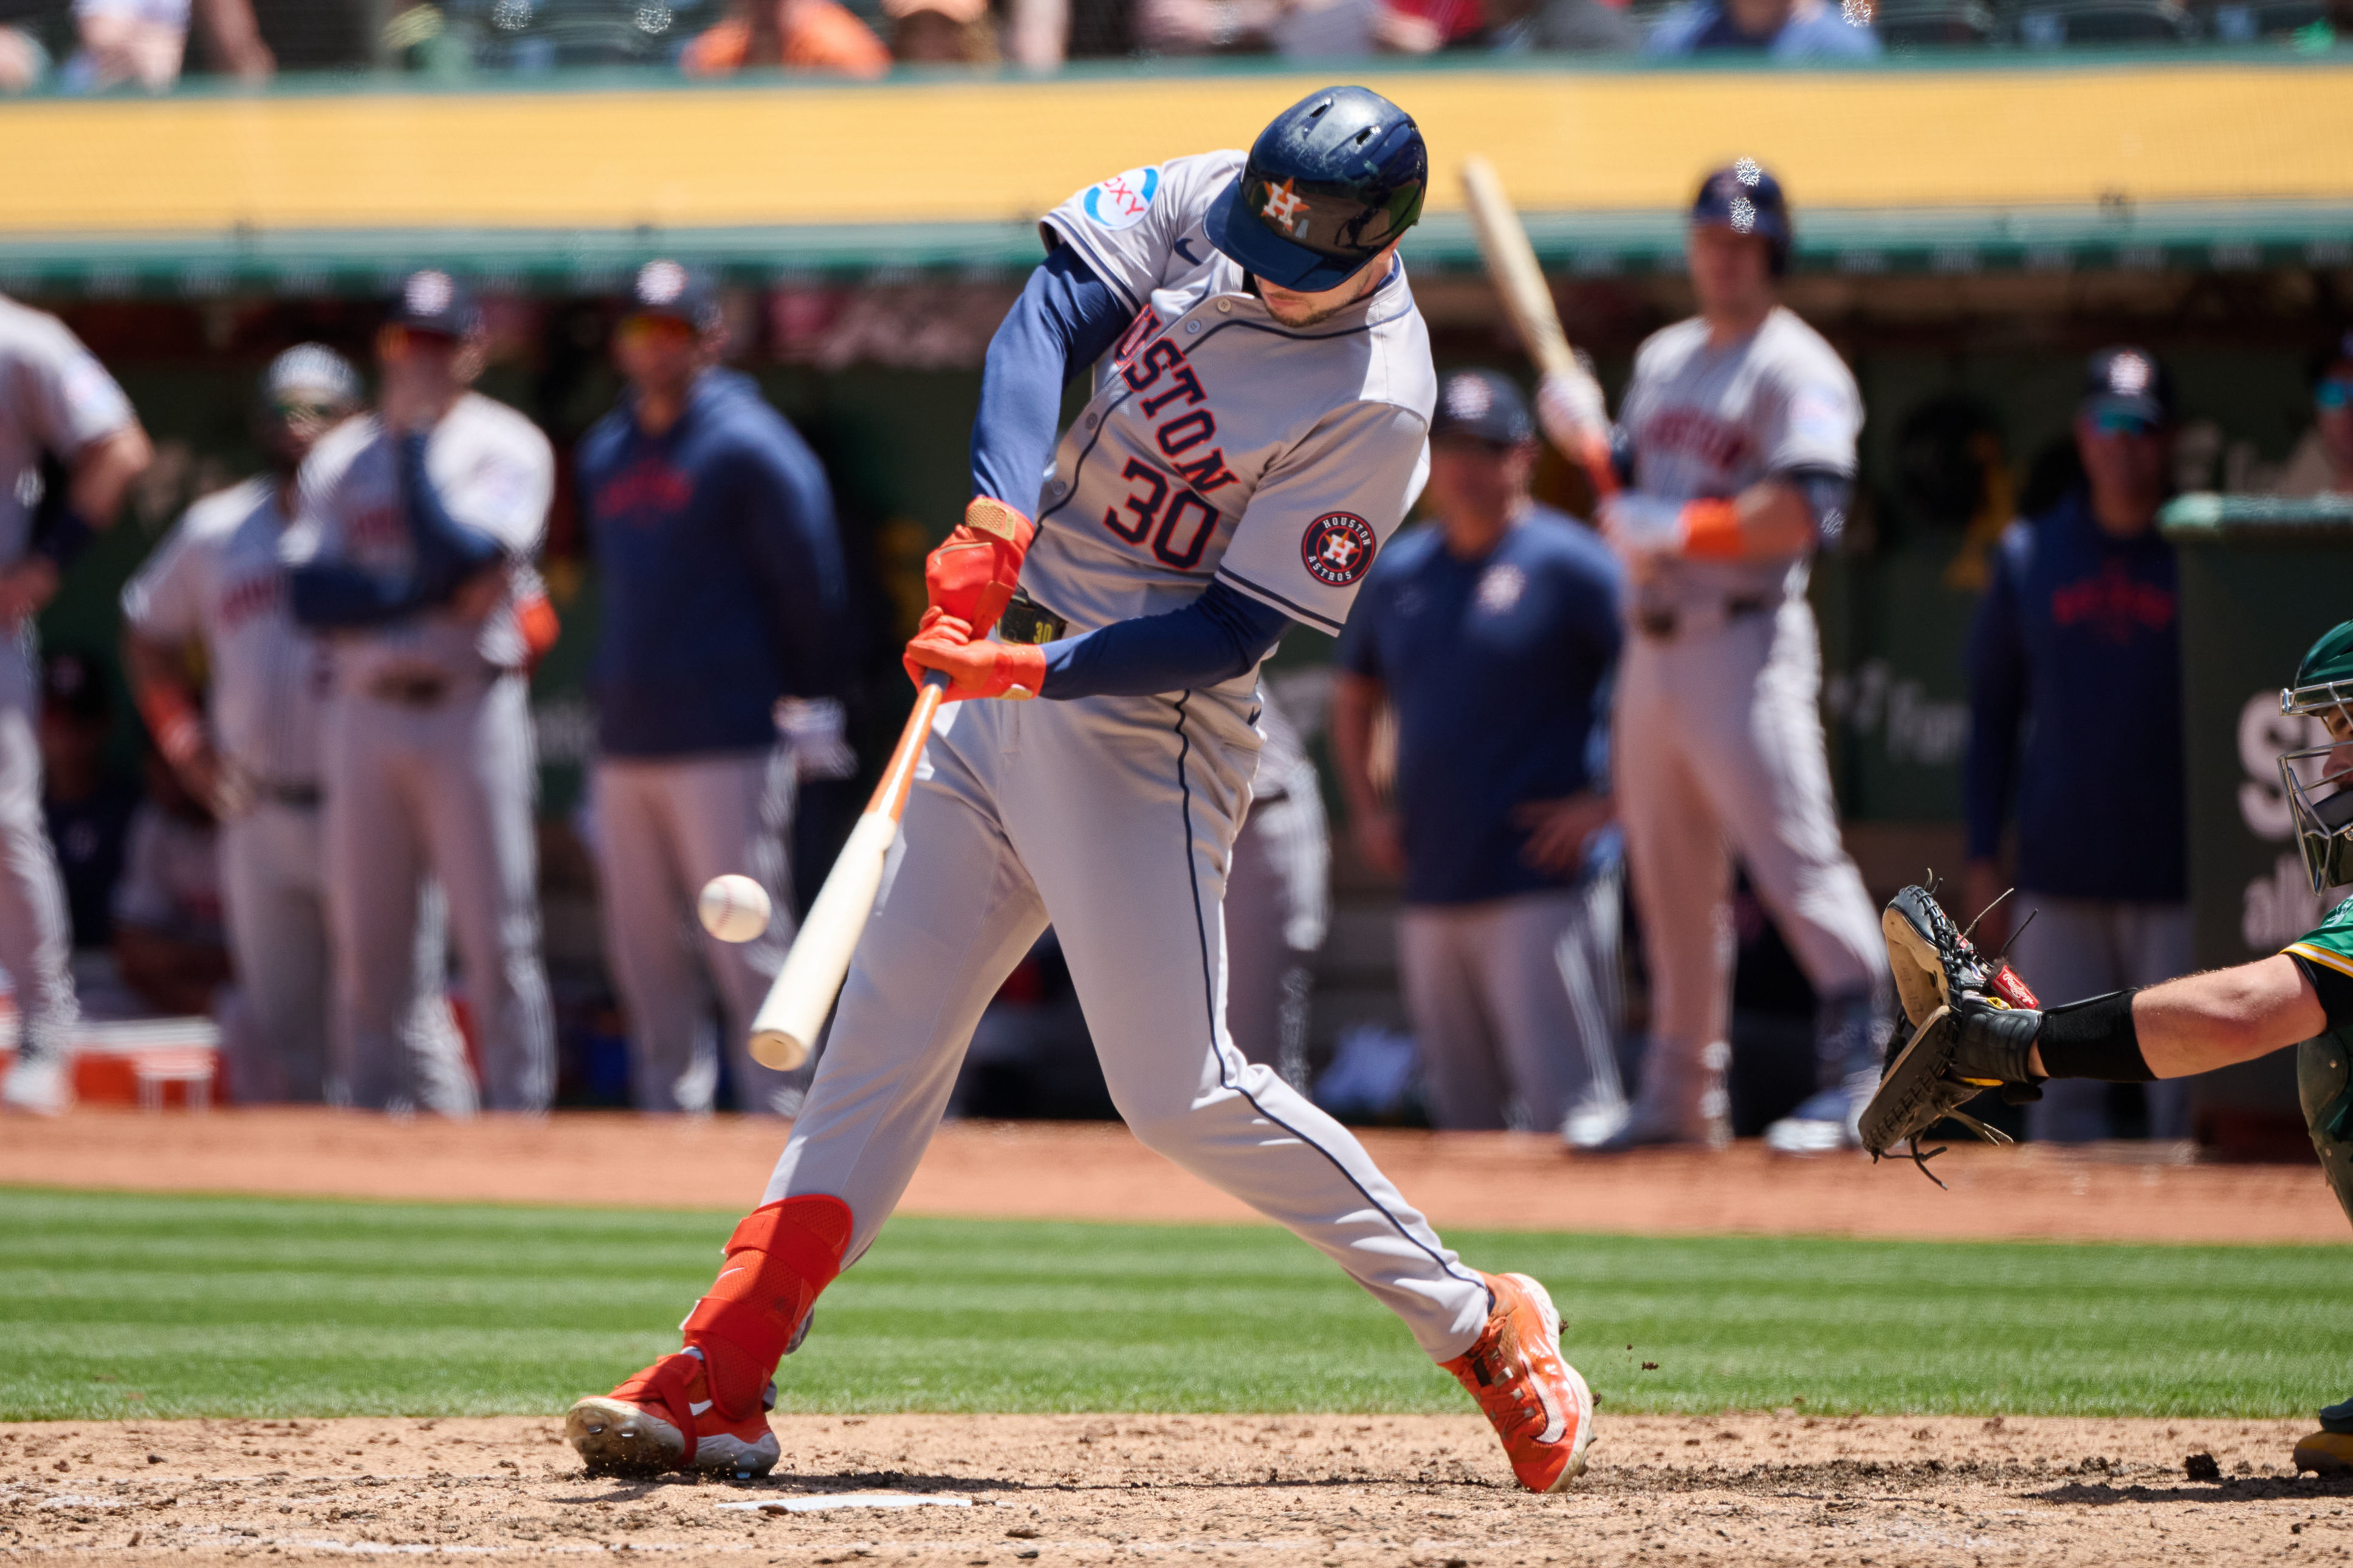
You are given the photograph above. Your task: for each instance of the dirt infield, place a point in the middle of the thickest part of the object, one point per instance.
(1428, 1491)
(1089, 1171)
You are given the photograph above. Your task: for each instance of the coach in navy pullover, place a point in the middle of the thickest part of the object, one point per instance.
(723, 592)
(721, 570)
(2075, 711)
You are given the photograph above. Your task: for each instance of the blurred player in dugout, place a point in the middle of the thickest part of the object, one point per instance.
(2074, 664)
(724, 592)
(69, 448)
(413, 557)
(215, 586)
(1494, 632)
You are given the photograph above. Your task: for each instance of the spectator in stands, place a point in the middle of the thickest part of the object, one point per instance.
(1570, 27)
(1785, 29)
(143, 42)
(22, 61)
(2075, 663)
(2322, 463)
(818, 36)
(1494, 632)
(724, 591)
(86, 804)
(942, 32)
(170, 943)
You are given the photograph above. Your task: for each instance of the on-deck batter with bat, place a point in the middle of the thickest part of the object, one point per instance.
(1262, 390)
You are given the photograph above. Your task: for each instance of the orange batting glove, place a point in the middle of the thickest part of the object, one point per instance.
(973, 668)
(972, 575)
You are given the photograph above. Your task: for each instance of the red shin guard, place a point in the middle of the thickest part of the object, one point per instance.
(779, 1258)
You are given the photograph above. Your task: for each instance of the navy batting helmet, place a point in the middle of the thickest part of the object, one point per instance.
(1743, 197)
(1336, 176)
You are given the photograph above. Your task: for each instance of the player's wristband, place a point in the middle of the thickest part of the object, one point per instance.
(2094, 1038)
(1712, 529)
(173, 720)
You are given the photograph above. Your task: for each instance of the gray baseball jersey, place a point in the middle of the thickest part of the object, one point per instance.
(1220, 443)
(55, 397)
(1717, 748)
(217, 579)
(1708, 422)
(494, 470)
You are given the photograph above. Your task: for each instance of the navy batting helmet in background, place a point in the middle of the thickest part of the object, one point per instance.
(1336, 176)
(1743, 197)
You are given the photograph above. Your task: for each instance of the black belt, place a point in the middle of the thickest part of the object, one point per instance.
(300, 797)
(1028, 621)
(1662, 622)
(410, 690)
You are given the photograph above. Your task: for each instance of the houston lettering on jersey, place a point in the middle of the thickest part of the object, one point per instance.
(248, 598)
(1716, 442)
(2114, 604)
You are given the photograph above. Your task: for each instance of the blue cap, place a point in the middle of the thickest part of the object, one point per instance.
(673, 290)
(1336, 177)
(1482, 405)
(1745, 198)
(432, 301)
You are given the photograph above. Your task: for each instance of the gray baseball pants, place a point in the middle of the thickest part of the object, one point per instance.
(664, 827)
(1515, 1005)
(444, 790)
(35, 938)
(1717, 740)
(2075, 948)
(1115, 818)
(289, 1047)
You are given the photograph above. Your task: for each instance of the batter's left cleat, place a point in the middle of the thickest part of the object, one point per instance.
(42, 1085)
(1539, 1406)
(663, 1419)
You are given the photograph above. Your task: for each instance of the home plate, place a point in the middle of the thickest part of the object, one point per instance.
(820, 1501)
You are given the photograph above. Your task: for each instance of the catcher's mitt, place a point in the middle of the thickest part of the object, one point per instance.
(1960, 1044)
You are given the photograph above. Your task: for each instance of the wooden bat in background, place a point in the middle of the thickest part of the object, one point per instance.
(1512, 262)
(803, 991)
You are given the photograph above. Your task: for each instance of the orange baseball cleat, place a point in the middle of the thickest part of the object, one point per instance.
(1540, 1407)
(664, 1419)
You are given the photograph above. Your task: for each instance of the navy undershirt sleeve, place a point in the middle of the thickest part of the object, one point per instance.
(1218, 636)
(447, 552)
(1066, 319)
(1829, 495)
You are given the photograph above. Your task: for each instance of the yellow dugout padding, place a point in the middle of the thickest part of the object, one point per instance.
(689, 156)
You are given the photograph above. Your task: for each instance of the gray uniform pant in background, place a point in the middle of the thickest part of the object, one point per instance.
(663, 828)
(2075, 948)
(289, 1046)
(1278, 905)
(445, 789)
(1515, 1006)
(35, 939)
(1116, 817)
(1717, 741)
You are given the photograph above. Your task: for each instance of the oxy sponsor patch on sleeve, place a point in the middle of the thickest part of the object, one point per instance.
(1121, 201)
(1817, 413)
(1338, 547)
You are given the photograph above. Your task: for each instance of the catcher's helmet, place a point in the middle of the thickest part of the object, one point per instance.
(2319, 779)
(1742, 196)
(1336, 177)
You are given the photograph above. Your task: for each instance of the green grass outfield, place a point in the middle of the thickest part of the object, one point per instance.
(117, 1305)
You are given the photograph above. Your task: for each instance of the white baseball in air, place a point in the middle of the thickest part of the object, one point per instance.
(734, 908)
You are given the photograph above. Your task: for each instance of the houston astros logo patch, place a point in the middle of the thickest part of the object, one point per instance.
(1338, 547)
(1122, 201)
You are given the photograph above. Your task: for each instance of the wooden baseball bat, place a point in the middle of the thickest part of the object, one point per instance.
(1512, 262)
(803, 991)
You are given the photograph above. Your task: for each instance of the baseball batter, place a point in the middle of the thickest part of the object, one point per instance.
(1742, 423)
(70, 447)
(412, 553)
(216, 581)
(1262, 392)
